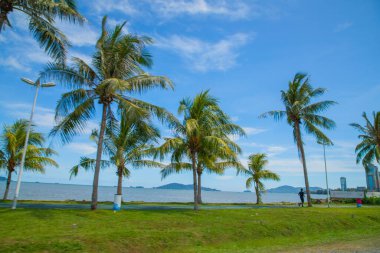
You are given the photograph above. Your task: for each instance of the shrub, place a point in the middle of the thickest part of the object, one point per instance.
(371, 201)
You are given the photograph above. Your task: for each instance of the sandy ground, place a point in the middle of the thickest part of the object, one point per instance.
(371, 245)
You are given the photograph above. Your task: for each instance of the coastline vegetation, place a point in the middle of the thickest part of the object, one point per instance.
(115, 75)
(256, 174)
(203, 140)
(12, 140)
(302, 112)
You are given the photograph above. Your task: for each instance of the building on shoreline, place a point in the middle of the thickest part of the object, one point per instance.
(343, 184)
(372, 177)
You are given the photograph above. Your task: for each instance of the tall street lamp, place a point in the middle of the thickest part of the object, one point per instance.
(36, 84)
(324, 144)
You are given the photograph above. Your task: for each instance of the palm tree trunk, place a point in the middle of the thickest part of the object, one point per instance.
(120, 181)
(258, 197)
(7, 185)
(95, 184)
(199, 187)
(193, 161)
(303, 159)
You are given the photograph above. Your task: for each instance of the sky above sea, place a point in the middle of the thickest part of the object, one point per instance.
(244, 52)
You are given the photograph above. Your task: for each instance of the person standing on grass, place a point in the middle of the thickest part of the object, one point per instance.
(301, 194)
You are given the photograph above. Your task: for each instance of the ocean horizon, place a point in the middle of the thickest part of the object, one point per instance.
(63, 192)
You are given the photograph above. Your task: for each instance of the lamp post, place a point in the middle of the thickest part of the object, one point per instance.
(36, 84)
(324, 143)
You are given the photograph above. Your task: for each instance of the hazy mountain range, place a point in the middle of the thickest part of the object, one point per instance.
(291, 189)
(176, 186)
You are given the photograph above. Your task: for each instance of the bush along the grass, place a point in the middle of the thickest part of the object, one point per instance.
(371, 201)
(343, 201)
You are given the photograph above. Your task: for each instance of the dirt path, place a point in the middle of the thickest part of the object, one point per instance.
(371, 245)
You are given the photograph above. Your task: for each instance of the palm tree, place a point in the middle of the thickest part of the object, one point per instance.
(256, 173)
(125, 145)
(209, 164)
(299, 111)
(204, 129)
(41, 15)
(12, 142)
(368, 149)
(116, 72)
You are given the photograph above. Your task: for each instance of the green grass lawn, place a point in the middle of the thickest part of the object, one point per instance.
(240, 230)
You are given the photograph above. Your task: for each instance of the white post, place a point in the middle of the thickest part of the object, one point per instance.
(327, 182)
(25, 148)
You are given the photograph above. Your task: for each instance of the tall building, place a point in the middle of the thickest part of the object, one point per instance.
(372, 177)
(343, 184)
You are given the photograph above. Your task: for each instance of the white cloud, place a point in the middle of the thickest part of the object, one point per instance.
(205, 56)
(25, 106)
(13, 63)
(271, 150)
(225, 177)
(249, 131)
(276, 149)
(167, 9)
(22, 49)
(81, 148)
(43, 117)
(170, 8)
(235, 118)
(253, 130)
(123, 6)
(343, 26)
(84, 35)
(313, 164)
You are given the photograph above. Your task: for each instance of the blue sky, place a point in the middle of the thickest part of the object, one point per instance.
(245, 52)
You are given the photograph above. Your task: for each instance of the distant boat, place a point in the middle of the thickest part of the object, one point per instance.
(247, 191)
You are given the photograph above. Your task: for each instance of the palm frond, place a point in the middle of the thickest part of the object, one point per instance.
(75, 122)
(50, 38)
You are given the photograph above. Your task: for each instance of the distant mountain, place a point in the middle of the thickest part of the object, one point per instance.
(176, 186)
(291, 189)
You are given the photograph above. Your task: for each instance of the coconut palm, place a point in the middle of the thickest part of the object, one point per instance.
(125, 145)
(209, 163)
(301, 112)
(368, 149)
(204, 129)
(115, 75)
(12, 142)
(256, 174)
(41, 15)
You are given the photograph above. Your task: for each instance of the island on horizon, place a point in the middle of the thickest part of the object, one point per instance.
(291, 189)
(177, 186)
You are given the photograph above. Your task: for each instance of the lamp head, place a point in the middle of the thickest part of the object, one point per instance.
(47, 85)
(28, 81)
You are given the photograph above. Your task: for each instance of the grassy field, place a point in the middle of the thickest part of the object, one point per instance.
(239, 230)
